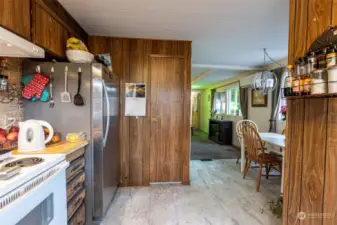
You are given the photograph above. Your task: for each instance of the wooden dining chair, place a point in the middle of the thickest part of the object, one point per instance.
(256, 154)
(239, 133)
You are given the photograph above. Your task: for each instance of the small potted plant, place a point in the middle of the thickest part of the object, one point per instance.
(283, 112)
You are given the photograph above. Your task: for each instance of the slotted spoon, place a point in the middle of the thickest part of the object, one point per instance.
(65, 96)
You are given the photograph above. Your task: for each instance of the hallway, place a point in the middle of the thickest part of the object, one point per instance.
(203, 148)
(218, 195)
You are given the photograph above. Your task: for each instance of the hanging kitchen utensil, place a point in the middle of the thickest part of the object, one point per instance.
(51, 100)
(78, 99)
(65, 96)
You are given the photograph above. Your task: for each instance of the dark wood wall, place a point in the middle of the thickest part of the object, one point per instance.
(130, 61)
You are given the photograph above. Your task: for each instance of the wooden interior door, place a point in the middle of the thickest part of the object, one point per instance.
(167, 118)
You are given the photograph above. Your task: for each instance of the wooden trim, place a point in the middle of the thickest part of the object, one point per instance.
(202, 75)
(166, 56)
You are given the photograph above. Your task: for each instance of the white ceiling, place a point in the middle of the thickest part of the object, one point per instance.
(224, 32)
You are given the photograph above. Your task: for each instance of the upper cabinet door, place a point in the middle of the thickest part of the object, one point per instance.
(15, 16)
(48, 32)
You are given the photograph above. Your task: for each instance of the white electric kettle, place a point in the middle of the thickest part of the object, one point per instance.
(31, 135)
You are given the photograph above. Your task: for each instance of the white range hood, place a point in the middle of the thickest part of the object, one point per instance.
(12, 45)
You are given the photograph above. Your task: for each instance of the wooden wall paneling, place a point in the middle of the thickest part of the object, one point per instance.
(291, 40)
(287, 161)
(334, 13)
(330, 190)
(137, 133)
(295, 146)
(319, 18)
(100, 45)
(15, 16)
(125, 121)
(187, 105)
(147, 138)
(313, 158)
(301, 25)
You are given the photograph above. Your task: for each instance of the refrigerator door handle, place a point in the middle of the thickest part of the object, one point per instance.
(108, 114)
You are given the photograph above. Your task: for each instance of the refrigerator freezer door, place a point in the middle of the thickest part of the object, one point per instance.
(106, 138)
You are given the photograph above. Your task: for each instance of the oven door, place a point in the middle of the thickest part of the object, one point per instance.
(44, 204)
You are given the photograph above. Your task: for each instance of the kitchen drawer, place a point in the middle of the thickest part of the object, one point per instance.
(75, 167)
(75, 203)
(75, 185)
(79, 217)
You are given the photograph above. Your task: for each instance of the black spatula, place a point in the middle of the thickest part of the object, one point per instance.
(78, 99)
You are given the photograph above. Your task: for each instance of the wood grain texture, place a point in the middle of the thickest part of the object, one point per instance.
(167, 111)
(330, 190)
(295, 146)
(313, 159)
(334, 13)
(319, 19)
(131, 62)
(59, 13)
(287, 159)
(291, 39)
(48, 33)
(301, 27)
(15, 16)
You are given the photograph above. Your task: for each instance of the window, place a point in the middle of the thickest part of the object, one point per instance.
(234, 107)
(220, 102)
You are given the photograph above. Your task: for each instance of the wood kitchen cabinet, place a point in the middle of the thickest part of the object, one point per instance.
(48, 32)
(15, 16)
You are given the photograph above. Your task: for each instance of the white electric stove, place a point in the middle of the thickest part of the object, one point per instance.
(36, 194)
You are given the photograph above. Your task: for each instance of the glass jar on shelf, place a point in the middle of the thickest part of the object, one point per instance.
(331, 57)
(319, 81)
(332, 79)
(296, 80)
(322, 58)
(288, 81)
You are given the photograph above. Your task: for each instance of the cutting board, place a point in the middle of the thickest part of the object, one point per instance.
(63, 147)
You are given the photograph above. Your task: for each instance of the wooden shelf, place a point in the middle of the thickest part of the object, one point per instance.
(333, 95)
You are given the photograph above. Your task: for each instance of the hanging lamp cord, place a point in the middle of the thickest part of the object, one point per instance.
(274, 61)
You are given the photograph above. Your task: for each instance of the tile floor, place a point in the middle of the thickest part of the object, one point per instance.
(218, 195)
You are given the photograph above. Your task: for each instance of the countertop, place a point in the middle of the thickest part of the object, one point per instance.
(63, 147)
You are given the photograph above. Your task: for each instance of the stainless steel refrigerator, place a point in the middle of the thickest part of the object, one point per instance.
(98, 118)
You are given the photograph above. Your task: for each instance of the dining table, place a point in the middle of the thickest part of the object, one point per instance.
(274, 139)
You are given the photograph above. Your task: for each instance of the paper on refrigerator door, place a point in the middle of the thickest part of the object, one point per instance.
(135, 99)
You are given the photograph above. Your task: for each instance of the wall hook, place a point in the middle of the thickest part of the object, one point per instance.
(38, 69)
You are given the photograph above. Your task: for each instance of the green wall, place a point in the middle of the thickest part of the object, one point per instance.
(205, 103)
(205, 109)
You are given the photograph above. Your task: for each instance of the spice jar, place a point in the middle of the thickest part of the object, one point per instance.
(331, 57)
(319, 82)
(332, 79)
(322, 58)
(303, 73)
(312, 61)
(296, 80)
